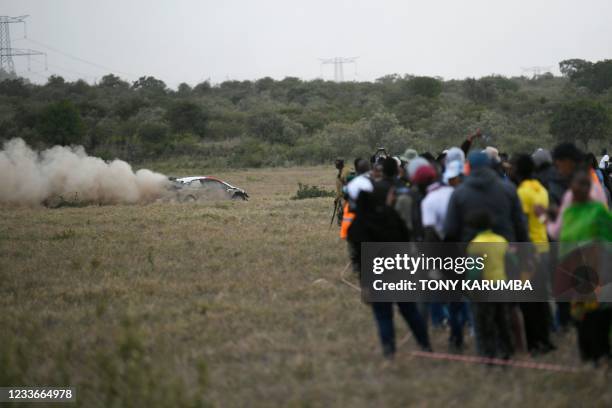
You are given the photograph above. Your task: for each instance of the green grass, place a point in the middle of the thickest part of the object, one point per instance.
(227, 304)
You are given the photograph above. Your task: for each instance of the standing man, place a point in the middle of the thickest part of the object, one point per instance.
(377, 221)
(341, 180)
(362, 182)
(483, 192)
(433, 209)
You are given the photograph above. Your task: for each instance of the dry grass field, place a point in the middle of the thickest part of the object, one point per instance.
(225, 304)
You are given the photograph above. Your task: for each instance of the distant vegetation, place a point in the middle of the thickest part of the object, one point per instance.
(306, 191)
(268, 122)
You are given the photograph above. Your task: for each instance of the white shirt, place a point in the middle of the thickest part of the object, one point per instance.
(359, 184)
(435, 205)
(603, 163)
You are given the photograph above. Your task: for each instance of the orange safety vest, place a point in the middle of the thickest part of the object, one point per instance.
(347, 220)
(594, 177)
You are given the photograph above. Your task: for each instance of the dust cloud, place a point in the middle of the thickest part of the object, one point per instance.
(31, 178)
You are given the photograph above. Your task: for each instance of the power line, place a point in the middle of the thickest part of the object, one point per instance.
(37, 73)
(80, 74)
(71, 73)
(65, 54)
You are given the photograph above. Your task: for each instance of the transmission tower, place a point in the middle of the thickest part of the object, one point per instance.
(7, 52)
(537, 70)
(339, 65)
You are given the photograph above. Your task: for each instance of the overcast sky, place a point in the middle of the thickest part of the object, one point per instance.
(194, 40)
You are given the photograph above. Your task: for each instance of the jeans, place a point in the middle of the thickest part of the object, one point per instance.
(438, 313)
(458, 316)
(383, 313)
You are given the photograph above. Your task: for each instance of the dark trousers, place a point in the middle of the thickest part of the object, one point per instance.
(458, 316)
(354, 251)
(438, 312)
(536, 320)
(564, 316)
(594, 335)
(493, 329)
(383, 313)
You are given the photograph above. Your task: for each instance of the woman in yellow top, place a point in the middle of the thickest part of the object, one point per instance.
(537, 317)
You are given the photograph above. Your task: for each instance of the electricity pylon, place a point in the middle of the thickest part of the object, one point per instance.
(7, 52)
(537, 71)
(339, 65)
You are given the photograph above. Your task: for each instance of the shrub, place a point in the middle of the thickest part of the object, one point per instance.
(153, 136)
(186, 116)
(581, 120)
(274, 128)
(425, 86)
(306, 191)
(60, 123)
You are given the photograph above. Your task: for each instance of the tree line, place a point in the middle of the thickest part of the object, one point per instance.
(270, 122)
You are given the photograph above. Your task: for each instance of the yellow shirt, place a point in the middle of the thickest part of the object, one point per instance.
(534, 199)
(492, 247)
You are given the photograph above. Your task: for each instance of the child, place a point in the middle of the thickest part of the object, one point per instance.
(492, 319)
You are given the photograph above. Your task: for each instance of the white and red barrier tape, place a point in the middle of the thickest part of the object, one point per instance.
(495, 361)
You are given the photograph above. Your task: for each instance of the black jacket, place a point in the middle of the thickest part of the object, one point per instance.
(374, 220)
(485, 190)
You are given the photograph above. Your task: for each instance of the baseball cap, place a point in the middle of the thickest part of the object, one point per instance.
(452, 170)
(454, 154)
(478, 160)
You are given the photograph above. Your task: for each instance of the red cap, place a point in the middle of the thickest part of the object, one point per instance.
(424, 175)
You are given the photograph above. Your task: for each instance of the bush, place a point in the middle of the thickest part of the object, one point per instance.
(186, 116)
(425, 86)
(60, 123)
(306, 191)
(154, 137)
(582, 120)
(274, 128)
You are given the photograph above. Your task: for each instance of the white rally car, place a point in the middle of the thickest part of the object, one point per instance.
(196, 187)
